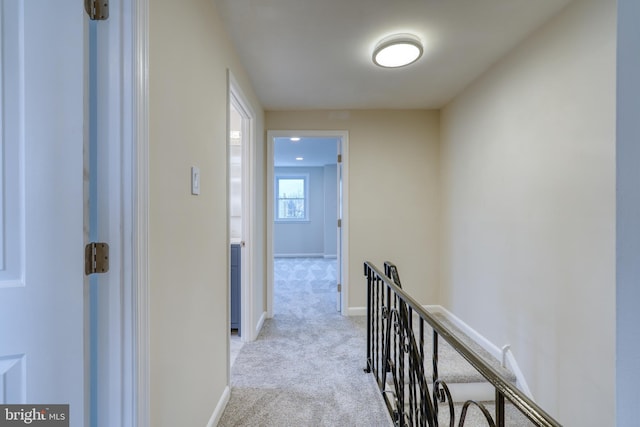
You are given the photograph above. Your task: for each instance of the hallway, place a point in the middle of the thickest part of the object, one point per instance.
(305, 368)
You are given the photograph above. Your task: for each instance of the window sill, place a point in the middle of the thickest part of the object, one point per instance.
(292, 221)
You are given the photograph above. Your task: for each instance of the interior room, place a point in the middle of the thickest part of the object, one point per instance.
(485, 211)
(496, 198)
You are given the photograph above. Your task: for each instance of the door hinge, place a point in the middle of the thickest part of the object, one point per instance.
(98, 10)
(339, 158)
(96, 258)
(339, 287)
(339, 223)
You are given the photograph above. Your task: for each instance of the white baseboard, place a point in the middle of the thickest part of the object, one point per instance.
(356, 311)
(334, 256)
(493, 349)
(222, 404)
(521, 381)
(260, 323)
(312, 255)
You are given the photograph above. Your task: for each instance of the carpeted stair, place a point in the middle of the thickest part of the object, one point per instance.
(464, 382)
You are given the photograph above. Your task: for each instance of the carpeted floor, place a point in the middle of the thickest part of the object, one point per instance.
(305, 368)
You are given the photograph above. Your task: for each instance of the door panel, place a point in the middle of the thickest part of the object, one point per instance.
(339, 230)
(42, 296)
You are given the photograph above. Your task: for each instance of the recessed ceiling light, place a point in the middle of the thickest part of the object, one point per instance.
(397, 50)
(295, 139)
(299, 158)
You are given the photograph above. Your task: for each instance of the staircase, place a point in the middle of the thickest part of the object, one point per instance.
(430, 372)
(465, 383)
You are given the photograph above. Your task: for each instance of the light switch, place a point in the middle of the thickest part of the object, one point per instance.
(195, 180)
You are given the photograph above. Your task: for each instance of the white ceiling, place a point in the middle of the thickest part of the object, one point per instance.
(316, 54)
(315, 151)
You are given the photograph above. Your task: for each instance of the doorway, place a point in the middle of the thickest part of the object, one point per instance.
(241, 218)
(236, 141)
(307, 207)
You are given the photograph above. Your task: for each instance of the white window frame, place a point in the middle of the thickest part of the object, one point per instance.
(278, 177)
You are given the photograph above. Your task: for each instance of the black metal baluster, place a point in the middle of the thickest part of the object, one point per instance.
(412, 370)
(367, 273)
(421, 350)
(405, 345)
(435, 356)
(436, 390)
(390, 318)
(499, 409)
(400, 356)
(376, 366)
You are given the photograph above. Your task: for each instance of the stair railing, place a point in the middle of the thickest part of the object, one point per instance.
(396, 349)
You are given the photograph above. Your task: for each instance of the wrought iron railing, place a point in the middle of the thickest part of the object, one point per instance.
(396, 357)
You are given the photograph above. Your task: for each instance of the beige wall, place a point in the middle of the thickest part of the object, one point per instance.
(528, 160)
(189, 57)
(393, 191)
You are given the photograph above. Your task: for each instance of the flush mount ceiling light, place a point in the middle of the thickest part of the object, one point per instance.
(397, 50)
(294, 139)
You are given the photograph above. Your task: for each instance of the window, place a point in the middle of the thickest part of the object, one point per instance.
(291, 198)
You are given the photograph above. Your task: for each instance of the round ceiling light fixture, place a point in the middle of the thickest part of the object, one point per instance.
(397, 50)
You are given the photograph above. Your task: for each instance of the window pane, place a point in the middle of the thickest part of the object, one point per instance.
(291, 209)
(291, 188)
(291, 198)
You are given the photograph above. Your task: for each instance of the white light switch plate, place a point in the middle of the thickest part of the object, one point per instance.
(195, 180)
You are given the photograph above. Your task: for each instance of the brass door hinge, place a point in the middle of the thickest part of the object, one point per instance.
(339, 223)
(339, 287)
(96, 258)
(339, 158)
(98, 10)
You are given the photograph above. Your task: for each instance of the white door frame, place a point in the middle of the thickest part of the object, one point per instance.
(137, 336)
(127, 189)
(108, 127)
(123, 199)
(247, 282)
(344, 137)
(124, 193)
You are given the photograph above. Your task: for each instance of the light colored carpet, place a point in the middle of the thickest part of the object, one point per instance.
(305, 368)
(236, 344)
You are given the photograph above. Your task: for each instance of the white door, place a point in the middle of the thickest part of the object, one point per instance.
(244, 122)
(236, 213)
(339, 237)
(42, 287)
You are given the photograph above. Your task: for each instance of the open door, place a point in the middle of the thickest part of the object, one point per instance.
(339, 269)
(42, 285)
(242, 215)
(237, 139)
